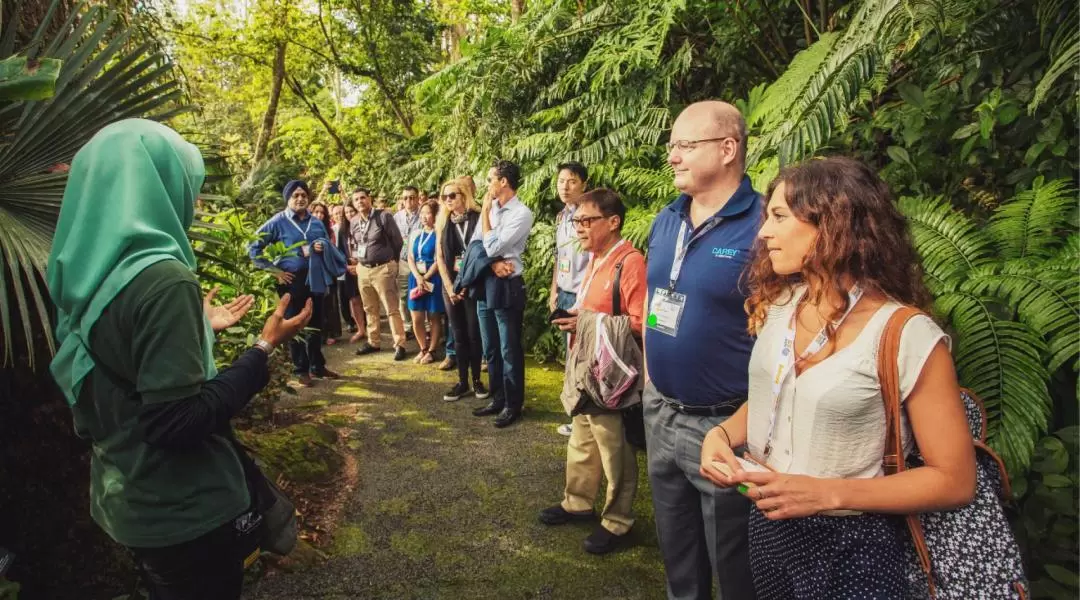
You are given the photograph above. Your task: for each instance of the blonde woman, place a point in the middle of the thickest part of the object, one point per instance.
(456, 226)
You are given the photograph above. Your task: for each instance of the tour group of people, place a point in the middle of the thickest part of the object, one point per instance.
(746, 338)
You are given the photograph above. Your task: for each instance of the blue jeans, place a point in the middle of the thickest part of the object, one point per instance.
(501, 328)
(450, 351)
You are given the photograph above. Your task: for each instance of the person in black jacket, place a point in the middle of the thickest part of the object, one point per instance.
(455, 227)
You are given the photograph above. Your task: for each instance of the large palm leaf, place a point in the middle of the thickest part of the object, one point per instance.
(100, 81)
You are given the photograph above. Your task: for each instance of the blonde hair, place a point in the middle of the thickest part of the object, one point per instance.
(466, 187)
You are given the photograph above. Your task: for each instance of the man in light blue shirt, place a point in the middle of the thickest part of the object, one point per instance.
(505, 224)
(407, 219)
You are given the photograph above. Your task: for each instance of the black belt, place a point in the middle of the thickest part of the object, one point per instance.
(718, 410)
(373, 265)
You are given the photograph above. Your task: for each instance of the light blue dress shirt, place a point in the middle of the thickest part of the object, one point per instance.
(509, 235)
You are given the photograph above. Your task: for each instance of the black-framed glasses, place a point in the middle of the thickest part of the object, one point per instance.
(450, 197)
(689, 145)
(585, 222)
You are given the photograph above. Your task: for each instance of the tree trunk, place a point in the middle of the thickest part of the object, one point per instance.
(271, 108)
(296, 88)
(517, 8)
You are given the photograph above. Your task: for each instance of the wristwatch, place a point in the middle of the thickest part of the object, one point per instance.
(265, 346)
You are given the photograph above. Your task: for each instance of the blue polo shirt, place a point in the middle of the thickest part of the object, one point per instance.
(705, 363)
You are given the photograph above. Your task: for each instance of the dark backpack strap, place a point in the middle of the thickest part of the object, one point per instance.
(616, 290)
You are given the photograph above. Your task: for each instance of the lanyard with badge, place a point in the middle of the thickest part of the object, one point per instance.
(361, 246)
(461, 228)
(786, 359)
(595, 266)
(304, 232)
(422, 239)
(666, 308)
(565, 254)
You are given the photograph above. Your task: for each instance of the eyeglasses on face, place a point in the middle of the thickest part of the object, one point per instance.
(450, 197)
(690, 145)
(585, 222)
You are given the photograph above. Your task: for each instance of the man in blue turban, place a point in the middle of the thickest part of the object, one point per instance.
(295, 226)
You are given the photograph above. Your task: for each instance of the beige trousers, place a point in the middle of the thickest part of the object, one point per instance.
(378, 285)
(598, 447)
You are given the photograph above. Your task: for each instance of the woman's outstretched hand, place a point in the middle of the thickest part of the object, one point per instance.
(278, 329)
(227, 315)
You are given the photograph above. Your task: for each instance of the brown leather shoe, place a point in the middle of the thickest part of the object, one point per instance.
(448, 364)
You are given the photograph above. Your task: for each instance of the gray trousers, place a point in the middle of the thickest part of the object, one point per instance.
(702, 529)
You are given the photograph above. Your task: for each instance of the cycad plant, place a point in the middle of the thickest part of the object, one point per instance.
(102, 76)
(1009, 288)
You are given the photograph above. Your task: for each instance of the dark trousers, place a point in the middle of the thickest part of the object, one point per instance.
(506, 363)
(347, 289)
(306, 347)
(468, 345)
(701, 528)
(210, 567)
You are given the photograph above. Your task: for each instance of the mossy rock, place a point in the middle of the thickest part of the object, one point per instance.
(302, 453)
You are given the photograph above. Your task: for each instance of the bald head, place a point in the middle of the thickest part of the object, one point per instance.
(717, 119)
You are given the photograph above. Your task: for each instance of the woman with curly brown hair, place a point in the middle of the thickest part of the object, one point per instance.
(834, 261)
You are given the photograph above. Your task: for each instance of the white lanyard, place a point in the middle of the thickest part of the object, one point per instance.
(461, 228)
(365, 224)
(681, 249)
(594, 267)
(303, 232)
(423, 238)
(786, 359)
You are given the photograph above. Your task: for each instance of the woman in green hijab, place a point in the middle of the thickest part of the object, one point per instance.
(135, 362)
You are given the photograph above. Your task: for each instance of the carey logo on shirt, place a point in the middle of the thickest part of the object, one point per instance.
(728, 253)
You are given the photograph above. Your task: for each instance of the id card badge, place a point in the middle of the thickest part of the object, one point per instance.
(458, 262)
(306, 251)
(361, 251)
(564, 265)
(665, 311)
(421, 266)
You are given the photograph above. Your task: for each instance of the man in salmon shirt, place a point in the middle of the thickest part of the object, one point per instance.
(598, 444)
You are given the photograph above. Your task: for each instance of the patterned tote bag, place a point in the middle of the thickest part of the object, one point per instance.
(964, 554)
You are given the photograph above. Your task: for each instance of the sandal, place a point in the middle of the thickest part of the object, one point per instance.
(427, 358)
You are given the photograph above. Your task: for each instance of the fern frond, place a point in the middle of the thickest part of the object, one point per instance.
(639, 220)
(950, 244)
(1064, 47)
(651, 186)
(778, 98)
(1029, 225)
(1047, 301)
(1002, 361)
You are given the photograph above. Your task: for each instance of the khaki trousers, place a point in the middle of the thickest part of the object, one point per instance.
(378, 285)
(598, 447)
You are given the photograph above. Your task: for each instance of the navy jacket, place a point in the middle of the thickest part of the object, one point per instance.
(324, 267)
(476, 276)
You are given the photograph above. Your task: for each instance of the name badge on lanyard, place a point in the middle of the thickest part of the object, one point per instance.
(458, 262)
(786, 360)
(564, 265)
(305, 250)
(667, 305)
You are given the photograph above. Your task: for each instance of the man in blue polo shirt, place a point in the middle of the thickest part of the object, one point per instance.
(697, 350)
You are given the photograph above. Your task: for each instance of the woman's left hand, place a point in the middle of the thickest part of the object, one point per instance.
(223, 317)
(785, 496)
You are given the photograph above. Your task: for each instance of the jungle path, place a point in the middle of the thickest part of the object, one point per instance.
(446, 505)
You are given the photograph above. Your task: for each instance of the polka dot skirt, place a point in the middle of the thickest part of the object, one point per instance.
(839, 558)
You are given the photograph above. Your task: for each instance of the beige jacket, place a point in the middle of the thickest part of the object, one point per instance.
(578, 378)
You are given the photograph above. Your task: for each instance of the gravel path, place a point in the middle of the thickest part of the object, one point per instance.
(446, 504)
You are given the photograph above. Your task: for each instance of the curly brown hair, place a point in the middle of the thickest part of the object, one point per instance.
(862, 239)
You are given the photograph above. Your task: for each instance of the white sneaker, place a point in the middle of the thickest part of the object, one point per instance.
(566, 429)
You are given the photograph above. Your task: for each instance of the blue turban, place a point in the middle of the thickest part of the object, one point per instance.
(291, 187)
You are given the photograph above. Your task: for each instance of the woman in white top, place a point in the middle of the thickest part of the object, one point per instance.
(834, 261)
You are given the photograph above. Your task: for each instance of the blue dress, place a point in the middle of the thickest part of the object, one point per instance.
(423, 251)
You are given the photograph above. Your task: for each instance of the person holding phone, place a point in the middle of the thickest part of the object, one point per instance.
(136, 365)
(834, 261)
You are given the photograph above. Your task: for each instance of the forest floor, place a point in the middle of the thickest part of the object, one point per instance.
(432, 502)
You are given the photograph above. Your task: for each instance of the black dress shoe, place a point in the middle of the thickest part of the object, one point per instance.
(507, 417)
(602, 541)
(557, 515)
(490, 409)
(399, 353)
(366, 349)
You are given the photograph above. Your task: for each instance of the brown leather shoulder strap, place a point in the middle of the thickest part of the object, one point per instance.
(893, 460)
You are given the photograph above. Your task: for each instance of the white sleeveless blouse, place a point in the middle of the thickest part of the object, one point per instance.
(831, 418)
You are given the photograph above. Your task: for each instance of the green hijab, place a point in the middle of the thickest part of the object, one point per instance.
(129, 200)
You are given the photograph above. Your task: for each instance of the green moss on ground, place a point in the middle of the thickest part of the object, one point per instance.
(301, 453)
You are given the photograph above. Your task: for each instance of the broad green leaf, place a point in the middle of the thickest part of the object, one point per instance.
(25, 79)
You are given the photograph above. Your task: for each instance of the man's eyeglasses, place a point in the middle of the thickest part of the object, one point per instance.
(451, 196)
(689, 145)
(585, 222)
